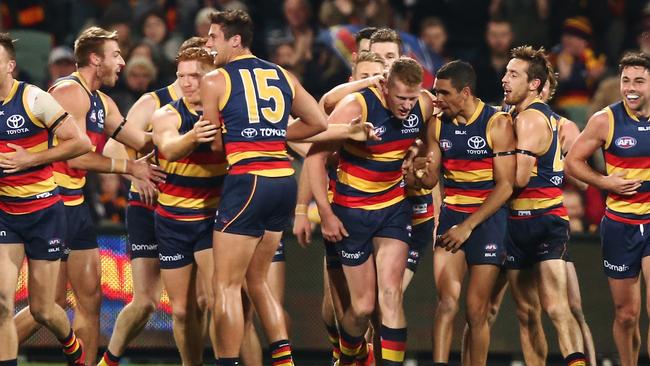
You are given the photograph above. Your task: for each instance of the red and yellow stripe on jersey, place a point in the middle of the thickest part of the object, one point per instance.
(193, 185)
(32, 189)
(369, 175)
(467, 158)
(70, 180)
(543, 194)
(255, 115)
(626, 149)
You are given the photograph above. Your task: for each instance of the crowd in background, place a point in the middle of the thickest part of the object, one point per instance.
(584, 38)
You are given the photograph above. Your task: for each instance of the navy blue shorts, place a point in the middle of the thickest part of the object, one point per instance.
(81, 232)
(42, 233)
(486, 244)
(251, 204)
(535, 240)
(179, 240)
(364, 225)
(140, 229)
(421, 238)
(624, 246)
(331, 255)
(279, 254)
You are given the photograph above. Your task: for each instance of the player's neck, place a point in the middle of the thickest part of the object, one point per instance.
(5, 88)
(527, 101)
(239, 52)
(469, 108)
(644, 112)
(89, 76)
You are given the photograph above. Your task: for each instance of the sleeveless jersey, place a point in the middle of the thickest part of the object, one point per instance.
(627, 149)
(255, 114)
(543, 194)
(32, 189)
(370, 173)
(192, 188)
(467, 159)
(71, 181)
(162, 96)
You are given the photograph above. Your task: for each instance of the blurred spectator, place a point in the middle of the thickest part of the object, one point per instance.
(576, 210)
(166, 69)
(491, 65)
(434, 36)
(374, 13)
(60, 63)
(154, 29)
(285, 55)
(231, 5)
(111, 200)
(527, 18)
(202, 21)
(579, 69)
(118, 18)
(139, 75)
(608, 92)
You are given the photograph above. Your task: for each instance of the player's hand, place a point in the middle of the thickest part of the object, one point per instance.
(411, 153)
(332, 228)
(143, 170)
(376, 81)
(617, 183)
(302, 230)
(147, 190)
(455, 237)
(204, 131)
(362, 131)
(17, 161)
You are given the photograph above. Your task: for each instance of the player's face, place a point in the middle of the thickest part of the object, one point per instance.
(189, 74)
(218, 44)
(111, 64)
(401, 98)
(635, 86)
(515, 81)
(449, 100)
(389, 51)
(7, 66)
(366, 69)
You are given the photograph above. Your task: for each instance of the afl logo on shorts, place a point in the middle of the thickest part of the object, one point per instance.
(249, 133)
(411, 121)
(445, 144)
(625, 142)
(15, 121)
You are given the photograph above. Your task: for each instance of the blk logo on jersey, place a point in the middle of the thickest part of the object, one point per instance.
(625, 142)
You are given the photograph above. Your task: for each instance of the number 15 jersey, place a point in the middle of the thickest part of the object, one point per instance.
(255, 112)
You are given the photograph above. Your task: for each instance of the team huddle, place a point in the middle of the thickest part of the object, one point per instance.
(390, 166)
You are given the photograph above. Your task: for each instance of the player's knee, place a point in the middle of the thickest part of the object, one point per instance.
(447, 305)
(179, 313)
(6, 309)
(145, 306)
(477, 314)
(557, 311)
(627, 316)
(527, 314)
(363, 308)
(43, 314)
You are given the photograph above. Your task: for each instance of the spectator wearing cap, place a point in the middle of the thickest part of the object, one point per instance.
(579, 68)
(60, 63)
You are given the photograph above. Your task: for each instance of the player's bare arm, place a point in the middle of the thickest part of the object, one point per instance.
(212, 86)
(568, 132)
(329, 101)
(171, 143)
(312, 120)
(592, 138)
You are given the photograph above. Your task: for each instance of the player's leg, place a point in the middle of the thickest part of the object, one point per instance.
(329, 315)
(147, 288)
(11, 260)
(205, 263)
(448, 273)
(626, 295)
(575, 302)
(251, 348)
(482, 279)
